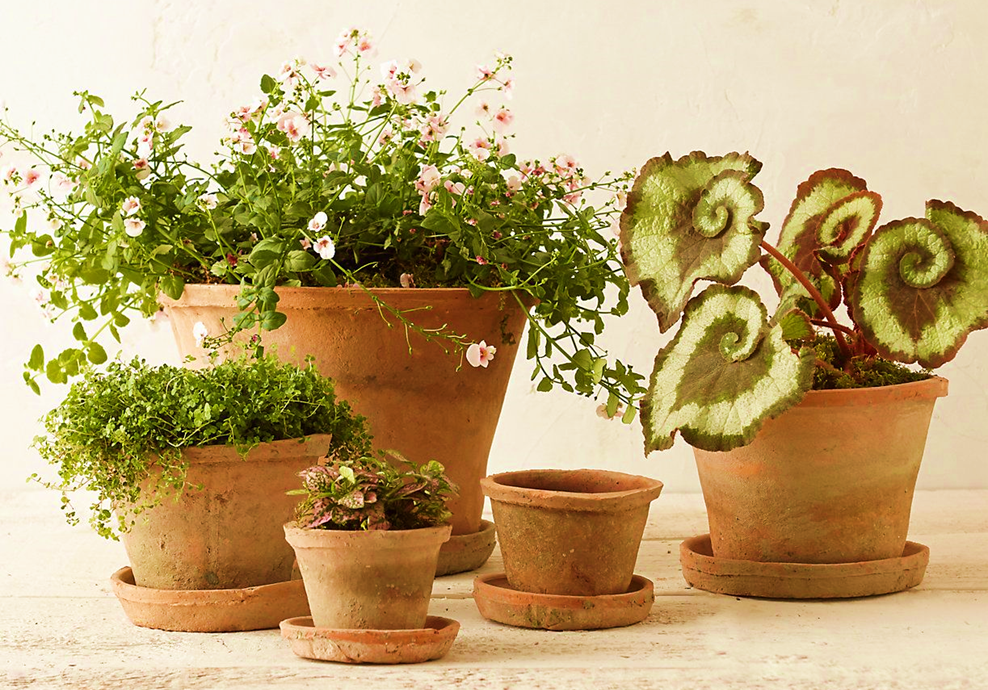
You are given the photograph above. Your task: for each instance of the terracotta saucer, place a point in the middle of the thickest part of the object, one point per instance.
(800, 580)
(208, 610)
(498, 601)
(466, 552)
(371, 646)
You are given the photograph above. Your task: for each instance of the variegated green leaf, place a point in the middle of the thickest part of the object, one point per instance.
(922, 285)
(688, 220)
(726, 372)
(832, 215)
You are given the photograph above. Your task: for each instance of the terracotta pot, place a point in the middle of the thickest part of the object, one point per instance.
(227, 535)
(572, 532)
(417, 403)
(829, 481)
(377, 580)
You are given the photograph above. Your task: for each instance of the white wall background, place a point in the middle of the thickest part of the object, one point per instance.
(894, 90)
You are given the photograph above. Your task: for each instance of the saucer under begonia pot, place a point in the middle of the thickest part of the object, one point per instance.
(498, 601)
(371, 646)
(769, 580)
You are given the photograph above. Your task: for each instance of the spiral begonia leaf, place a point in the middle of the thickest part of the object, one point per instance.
(688, 220)
(921, 285)
(726, 372)
(832, 215)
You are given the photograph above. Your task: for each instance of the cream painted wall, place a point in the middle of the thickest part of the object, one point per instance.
(891, 89)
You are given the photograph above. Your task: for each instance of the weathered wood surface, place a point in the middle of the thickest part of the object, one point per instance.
(61, 627)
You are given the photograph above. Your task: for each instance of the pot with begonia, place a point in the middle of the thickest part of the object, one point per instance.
(379, 194)
(789, 396)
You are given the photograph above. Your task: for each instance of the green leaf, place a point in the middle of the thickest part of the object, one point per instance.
(87, 311)
(725, 372)
(272, 320)
(795, 325)
(266, 252)
(173, 286)
(921, 285)
(37, 360)
(598, 369)
(629, 415)
(78, 332)
(545, 385)
(268, 84)
(688, 220)
(832, 215)
(95, 353)
(299, 260)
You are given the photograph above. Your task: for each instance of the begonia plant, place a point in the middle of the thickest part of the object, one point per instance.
(913, 289)
(335, 175)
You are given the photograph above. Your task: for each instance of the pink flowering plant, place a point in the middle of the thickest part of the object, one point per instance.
(335, 175)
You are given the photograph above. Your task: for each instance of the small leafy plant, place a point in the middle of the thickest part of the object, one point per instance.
(332, 176)
(367, 493)
(120, 433)
(913, 288)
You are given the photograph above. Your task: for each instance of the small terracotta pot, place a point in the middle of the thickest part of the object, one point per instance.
(829, 481)
(377, 580)
(227, 535)
(400, 392)
(571, 532)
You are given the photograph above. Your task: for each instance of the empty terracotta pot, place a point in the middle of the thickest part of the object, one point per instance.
(572, 532)
(829, 481)
(401, 393)
(227, 535)
(377, 580)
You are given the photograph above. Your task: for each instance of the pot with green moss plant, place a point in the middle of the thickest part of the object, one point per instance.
(808, 433)
(351, 218)
(190, 468)
(367, 538)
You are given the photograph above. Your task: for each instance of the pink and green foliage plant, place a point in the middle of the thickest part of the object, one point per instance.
(913, 289)
(368, 493)
(337, 174)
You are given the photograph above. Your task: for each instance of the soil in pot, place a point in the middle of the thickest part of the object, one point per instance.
(829, 481)
(228, 535)
(376, 580)
(570, 532)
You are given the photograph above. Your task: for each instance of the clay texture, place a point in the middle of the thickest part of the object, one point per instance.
(377, 580)
(417, 403)
(571, 532)
(432, 641)
(498, 601)
(800, 580)
(829, 481)
(227, 535)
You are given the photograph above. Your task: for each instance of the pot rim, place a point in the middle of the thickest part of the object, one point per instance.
(931, 388)
(648, 490)
(314, 538)
(315, 445)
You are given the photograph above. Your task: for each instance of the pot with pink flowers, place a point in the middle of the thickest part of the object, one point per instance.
(398, 240)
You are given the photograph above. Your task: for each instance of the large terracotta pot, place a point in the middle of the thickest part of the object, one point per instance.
(424, 403)
(228, 535)
(377, 580)
(829, 481)
(570, 532)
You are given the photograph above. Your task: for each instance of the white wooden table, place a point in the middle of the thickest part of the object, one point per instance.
(62, 628)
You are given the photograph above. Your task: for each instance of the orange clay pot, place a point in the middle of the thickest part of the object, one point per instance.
(829, 481)
(227, 535)
(571, 532)
(376, 580)
(417, 403)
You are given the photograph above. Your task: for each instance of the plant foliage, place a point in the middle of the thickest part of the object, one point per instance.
(120, 433)
(366, 493)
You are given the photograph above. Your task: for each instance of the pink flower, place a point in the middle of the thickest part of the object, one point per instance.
(483, 109)
(480, 149)
(428, 178)
(602, 412)
(455, 188)
(31, 177)
(377, 96)
(318, 222)
(306, 244)
(208, 201)
(565, 164)
(407, 280)
(351, 40)
(433, 128)
(508, 88)
(145, 144)
(503, 119)
(514, 183)
(480, 354)
(325, 248)
(84, 164)
(10, 173)
(162, 124)
(387, 134)
(481, 260)
(245, 146)
(289, 74)
(200, 333)
(502, 146)
(484, 73)
(130, 205)
(424, 205)
(142, 167)
(294, 125)
(323, 73)
(274, 152)
(134, 227)
(62, 185)
(404, 93)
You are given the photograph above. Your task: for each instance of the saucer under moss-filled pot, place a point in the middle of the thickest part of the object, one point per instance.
(830, 480)
(570, 532)
(377, 579)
